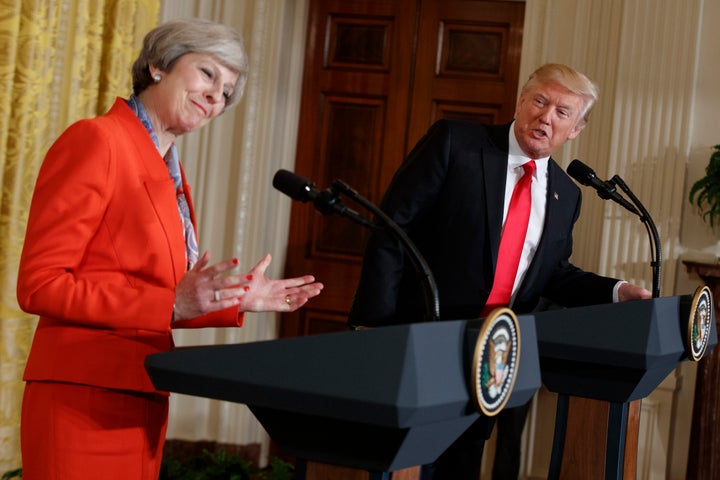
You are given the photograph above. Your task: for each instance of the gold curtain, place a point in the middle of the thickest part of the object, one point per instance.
(60, 61)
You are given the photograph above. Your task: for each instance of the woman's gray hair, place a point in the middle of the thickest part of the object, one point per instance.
(165, 44)
(569, 78)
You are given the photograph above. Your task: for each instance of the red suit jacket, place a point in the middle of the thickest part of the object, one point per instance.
(103, 252)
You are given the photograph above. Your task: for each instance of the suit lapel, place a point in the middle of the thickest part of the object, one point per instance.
(166, 209)
(494, 164)
(158, 184)
(553, 204)
(188, 197)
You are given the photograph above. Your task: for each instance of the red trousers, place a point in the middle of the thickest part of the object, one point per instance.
(80, 432)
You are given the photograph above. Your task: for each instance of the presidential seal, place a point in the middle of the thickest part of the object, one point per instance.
(700, 322)
(495, 361)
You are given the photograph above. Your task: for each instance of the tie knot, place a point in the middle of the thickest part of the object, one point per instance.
(529, 167)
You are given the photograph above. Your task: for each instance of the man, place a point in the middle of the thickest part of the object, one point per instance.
(452, 196)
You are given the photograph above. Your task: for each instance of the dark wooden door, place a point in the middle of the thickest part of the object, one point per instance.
(377, 74)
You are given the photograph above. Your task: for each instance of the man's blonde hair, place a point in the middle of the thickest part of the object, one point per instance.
(569, 78)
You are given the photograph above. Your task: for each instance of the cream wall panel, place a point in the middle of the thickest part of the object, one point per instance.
(654, 61)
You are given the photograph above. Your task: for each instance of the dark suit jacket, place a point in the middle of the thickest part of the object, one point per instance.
(448, 197)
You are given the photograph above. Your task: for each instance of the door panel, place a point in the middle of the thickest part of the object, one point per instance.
(377, 74)
(468, 58)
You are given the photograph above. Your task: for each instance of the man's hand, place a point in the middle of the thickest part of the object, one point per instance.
(628, 291)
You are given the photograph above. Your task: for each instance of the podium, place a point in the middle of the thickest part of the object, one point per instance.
(613, 355)
(379, 399)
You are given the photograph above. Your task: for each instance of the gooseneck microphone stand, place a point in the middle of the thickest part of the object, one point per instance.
(607, 191)
(430, 291)
(618, 411)
(327, 201)
(656, 253)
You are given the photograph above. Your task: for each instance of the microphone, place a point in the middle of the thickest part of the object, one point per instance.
(326, 201)
(302, 189)
(295, 186)
(605, 190)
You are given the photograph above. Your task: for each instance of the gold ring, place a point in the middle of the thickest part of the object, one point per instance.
(287, 300)
(217, 295)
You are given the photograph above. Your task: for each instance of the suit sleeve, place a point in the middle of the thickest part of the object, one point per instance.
(571, 286)
(229, 317)
(414, 188)
(74, 187)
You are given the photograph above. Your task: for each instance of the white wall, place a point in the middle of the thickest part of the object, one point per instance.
(657, 63)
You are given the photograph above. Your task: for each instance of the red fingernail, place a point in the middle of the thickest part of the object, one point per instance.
(246, 288)
(249, 277)
(235, 261)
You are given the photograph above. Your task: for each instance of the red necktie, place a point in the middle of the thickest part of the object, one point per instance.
(511, 242)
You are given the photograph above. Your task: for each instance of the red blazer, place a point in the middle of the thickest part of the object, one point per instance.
(103, 252)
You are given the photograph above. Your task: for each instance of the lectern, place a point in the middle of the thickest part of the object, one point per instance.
(379, 399)
(615, 353)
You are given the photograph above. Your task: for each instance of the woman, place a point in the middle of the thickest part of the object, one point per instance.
(110, 263)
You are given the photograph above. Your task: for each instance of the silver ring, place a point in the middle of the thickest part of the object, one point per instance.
(287, 300)
(217, 295)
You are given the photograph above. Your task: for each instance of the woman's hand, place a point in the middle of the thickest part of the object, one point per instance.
(205, 289)
(261, 294)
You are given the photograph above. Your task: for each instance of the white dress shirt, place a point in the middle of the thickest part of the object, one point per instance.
(516, 159)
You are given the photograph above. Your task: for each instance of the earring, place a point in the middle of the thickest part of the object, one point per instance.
(157, 77)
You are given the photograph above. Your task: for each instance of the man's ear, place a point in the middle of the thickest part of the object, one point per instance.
(521, 99)
(575, 131)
